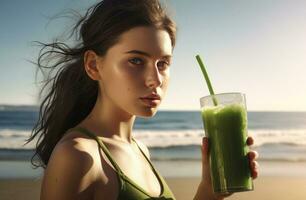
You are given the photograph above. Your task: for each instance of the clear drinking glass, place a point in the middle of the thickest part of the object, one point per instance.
(225, 122)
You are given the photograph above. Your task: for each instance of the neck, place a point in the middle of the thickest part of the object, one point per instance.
(107, 120)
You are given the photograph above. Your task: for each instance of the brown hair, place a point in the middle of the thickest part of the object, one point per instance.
(70, 93)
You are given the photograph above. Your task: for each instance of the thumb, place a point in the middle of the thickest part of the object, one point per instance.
(205, 159)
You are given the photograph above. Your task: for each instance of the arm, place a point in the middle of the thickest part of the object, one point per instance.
(68, 175)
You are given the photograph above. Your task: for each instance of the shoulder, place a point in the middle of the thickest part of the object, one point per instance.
(76, 149)
(143, 147)
(73, 149)
(71, 165)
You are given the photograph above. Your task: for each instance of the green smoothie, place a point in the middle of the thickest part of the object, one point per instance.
(226, 128)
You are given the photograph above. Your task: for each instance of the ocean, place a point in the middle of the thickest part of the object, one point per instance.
(172, 135)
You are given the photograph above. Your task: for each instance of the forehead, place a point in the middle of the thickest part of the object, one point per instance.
(149, 39)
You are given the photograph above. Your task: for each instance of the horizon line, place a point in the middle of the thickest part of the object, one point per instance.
(163, 109)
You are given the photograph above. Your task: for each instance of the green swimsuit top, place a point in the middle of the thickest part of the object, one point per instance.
(128, 189)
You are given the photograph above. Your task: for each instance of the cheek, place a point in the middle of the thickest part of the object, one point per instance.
(121, 81)
(130, 78)
(166, 80)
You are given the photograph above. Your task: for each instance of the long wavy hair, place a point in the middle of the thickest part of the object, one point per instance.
(68, 94)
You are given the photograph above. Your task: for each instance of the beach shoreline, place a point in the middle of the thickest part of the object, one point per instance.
(174, 139)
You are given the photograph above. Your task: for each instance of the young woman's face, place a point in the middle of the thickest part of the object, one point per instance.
(135, 71)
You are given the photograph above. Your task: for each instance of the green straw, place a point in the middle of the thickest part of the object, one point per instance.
(211, 91)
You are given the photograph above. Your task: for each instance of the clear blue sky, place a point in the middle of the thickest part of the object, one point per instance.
(255, 47)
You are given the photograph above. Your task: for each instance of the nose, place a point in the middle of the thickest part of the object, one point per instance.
(153, 77)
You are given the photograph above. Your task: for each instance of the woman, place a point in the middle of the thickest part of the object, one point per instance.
(118, 70)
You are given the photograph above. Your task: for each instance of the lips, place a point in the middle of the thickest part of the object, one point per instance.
(151, 100)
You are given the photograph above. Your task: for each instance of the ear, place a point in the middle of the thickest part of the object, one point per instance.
(91, 64)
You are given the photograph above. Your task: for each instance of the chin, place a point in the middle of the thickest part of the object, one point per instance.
(147, 112)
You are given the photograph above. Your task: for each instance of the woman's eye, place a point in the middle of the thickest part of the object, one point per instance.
(163, 65)
(136, 61)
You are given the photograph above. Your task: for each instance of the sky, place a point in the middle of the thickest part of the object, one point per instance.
(254, 47)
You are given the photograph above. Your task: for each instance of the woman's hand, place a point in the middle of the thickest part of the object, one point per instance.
(205, 189)
(253, 155)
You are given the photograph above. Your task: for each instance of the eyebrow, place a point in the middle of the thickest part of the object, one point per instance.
(145, 53)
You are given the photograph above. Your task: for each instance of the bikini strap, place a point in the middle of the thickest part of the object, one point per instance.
(159, 177)
(101, 144)
(148, 160)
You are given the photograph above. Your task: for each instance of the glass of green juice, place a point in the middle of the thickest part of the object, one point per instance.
(225, 125)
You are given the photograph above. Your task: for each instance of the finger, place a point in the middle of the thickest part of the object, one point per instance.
(250, 141)
(254, 169)
(254, 174)
(252, 155)
(254, 165)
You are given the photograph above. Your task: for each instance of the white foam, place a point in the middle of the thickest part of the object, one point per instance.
(14, 139)
(170, 138)
(291, 136)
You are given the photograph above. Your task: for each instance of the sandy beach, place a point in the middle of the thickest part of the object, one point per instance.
(277, 181)
(266, 188)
